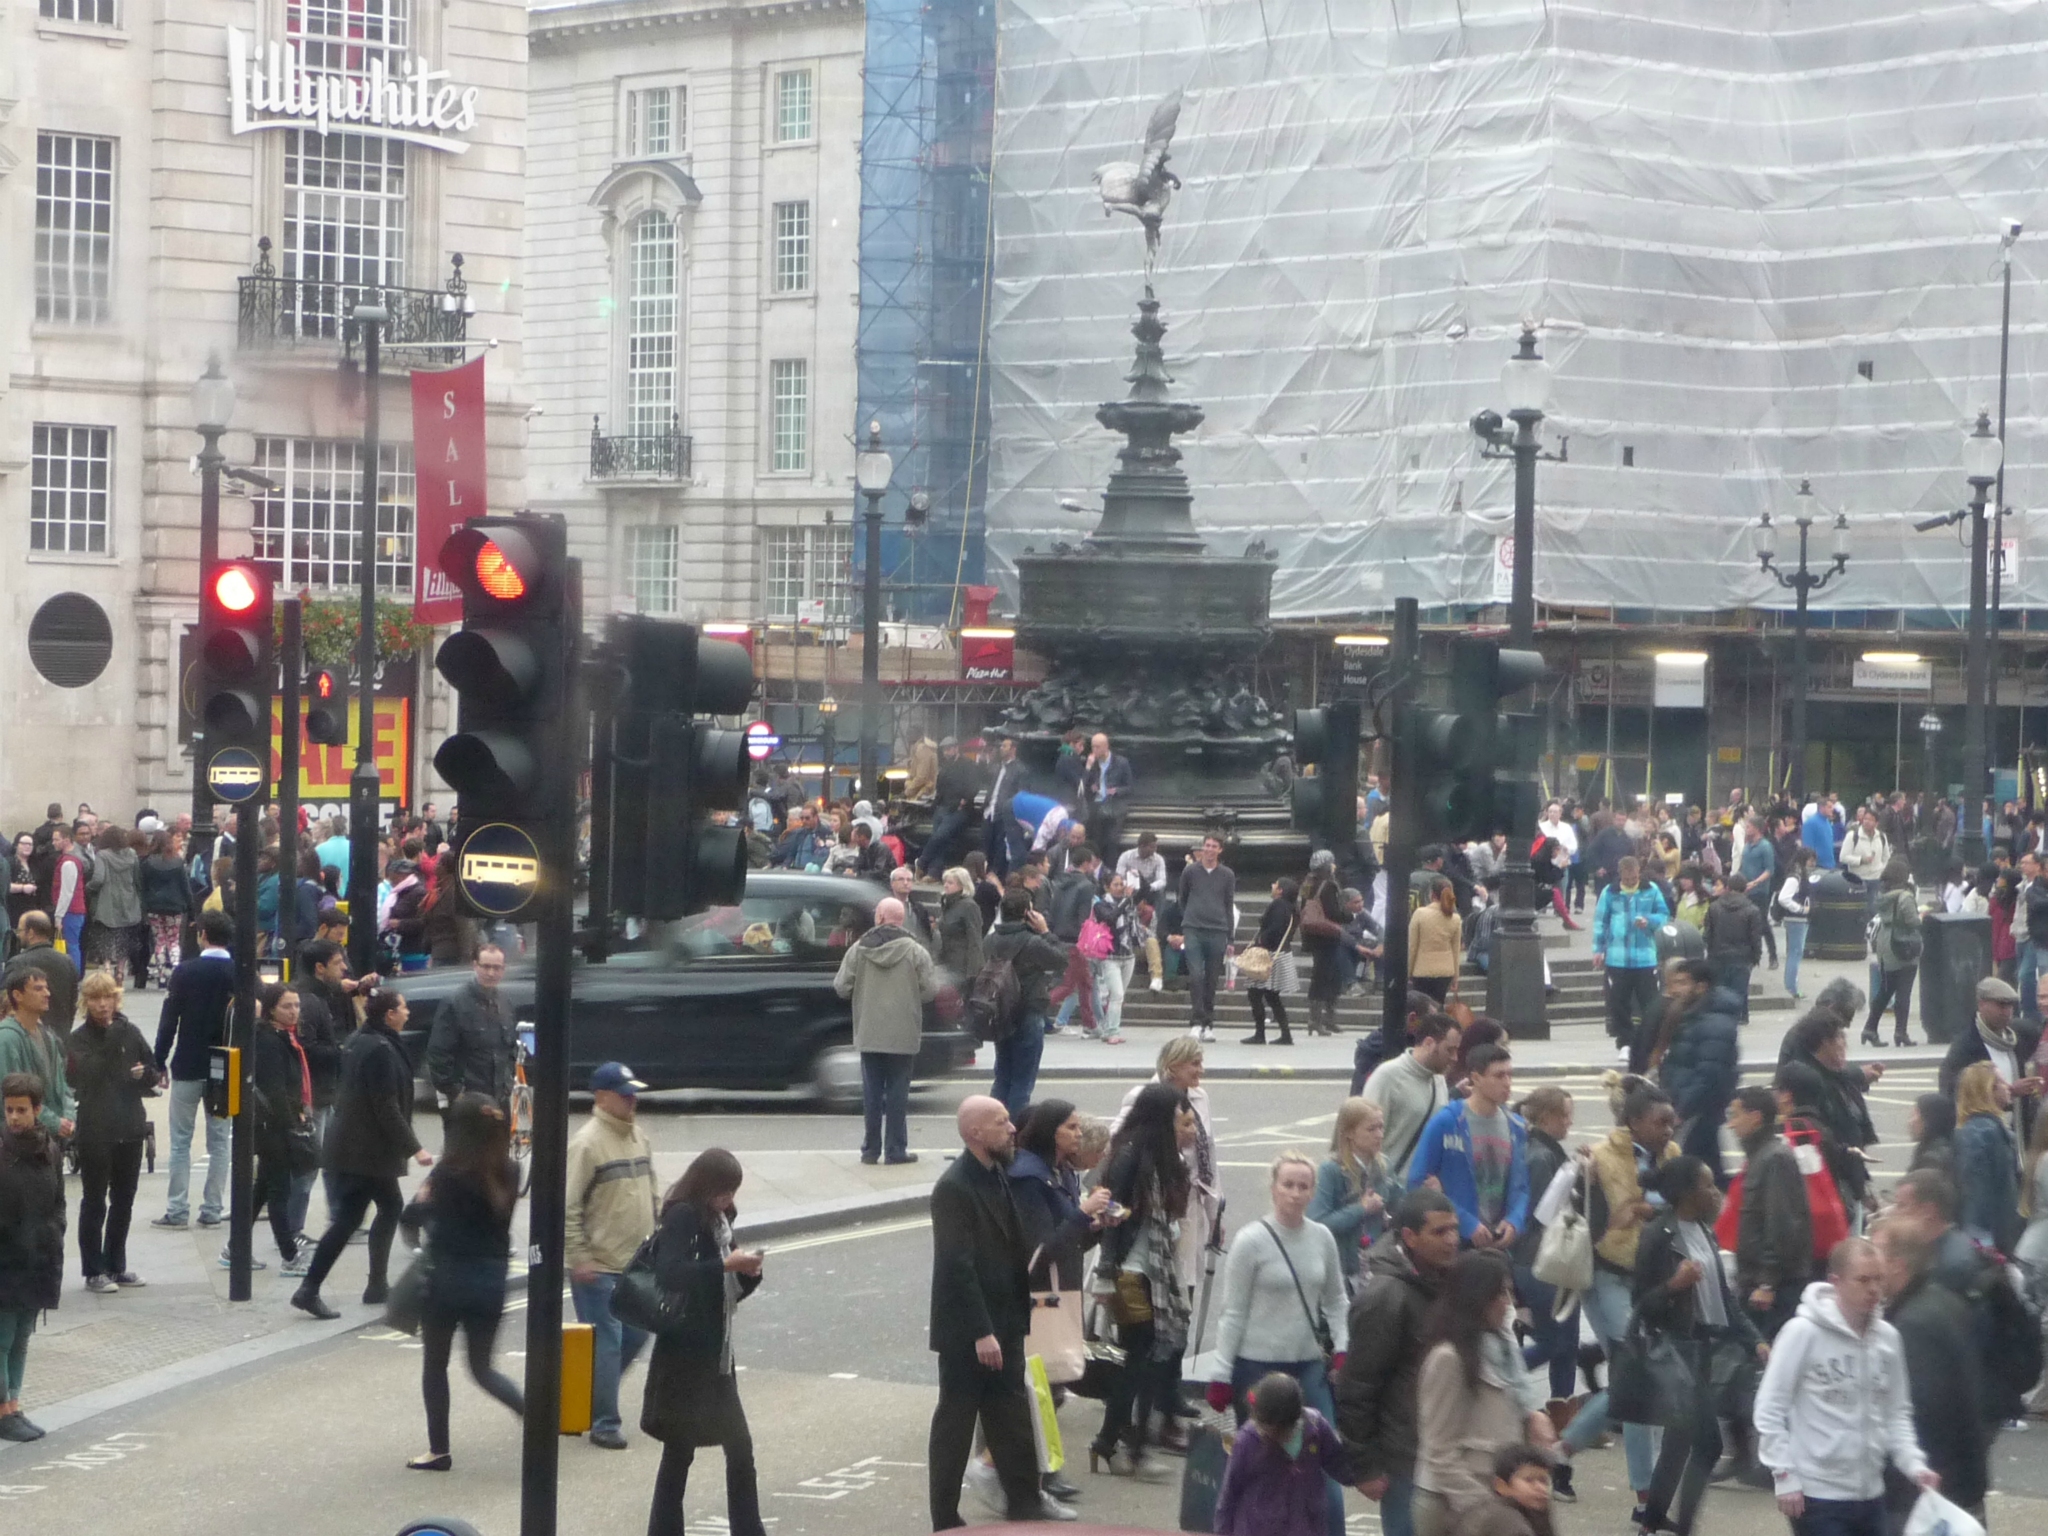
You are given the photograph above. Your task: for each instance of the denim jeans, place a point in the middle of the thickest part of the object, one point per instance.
(1795, 950)
(614, 1347)
(946, 829)
(1315, 1393)
(1017, 1056)
(1397, 1508)
(1607, 1307)
(1203, 949)
(1112, 979)
(885, 1104)
(1734, 975)
(1842, 1517)
(74, 940)
(187, 1101)
(2030, 970)
(1553, 1341)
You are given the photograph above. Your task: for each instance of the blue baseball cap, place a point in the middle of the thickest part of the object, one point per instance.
(616, 1077)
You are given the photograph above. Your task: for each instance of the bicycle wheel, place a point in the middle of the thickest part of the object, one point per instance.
(522, 1133)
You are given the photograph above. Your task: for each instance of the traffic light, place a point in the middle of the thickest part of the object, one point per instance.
(1326, 805)
(326, 709)
(238, 668)
(670, 771)
(1467, 758)
(508, 760)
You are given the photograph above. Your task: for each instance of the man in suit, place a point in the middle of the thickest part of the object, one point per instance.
(1001, 843)
(981, 1312)
(195, 1020)
(1105, 787)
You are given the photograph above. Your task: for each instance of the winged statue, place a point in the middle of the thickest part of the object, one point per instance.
(1145, 188)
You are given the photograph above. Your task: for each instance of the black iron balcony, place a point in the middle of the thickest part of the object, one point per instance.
(662, 454)
(282, 313)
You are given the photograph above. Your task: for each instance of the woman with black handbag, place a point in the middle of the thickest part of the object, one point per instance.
(1139, 1277)
(466, 1208)
(693, 1396)
(284, 1096)
(1697, 1339)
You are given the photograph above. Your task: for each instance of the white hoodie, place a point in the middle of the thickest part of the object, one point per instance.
(1834, 1406)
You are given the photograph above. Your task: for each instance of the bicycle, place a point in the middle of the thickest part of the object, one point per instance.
(522, 1108)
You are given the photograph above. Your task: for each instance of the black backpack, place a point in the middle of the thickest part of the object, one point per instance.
(995, 1001)
(2009, 1340)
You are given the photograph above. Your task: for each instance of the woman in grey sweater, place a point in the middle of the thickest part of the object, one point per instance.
(1284, 1305)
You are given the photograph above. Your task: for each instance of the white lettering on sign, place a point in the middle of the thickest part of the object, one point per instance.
(1894, 676)
(274, 89)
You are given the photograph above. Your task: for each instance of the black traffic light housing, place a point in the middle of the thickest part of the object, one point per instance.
(238, 674)
(1464, 758)
(326, 709)
(670, 771)
(508, 759)
(1325, 805)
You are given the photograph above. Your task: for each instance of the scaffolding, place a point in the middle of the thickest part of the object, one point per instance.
(927, 135)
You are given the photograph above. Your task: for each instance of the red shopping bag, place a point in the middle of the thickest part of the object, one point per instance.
(1823, 1199)
(1728, 1225)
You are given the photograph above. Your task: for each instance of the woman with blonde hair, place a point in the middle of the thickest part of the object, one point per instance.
(1284, 1305)
(1989, 1205)
(1355, 1188)
(1436, 944)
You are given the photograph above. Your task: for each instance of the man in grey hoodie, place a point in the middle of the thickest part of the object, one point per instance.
(890, 977)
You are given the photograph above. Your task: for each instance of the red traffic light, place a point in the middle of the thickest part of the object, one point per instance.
(235, 589)
(496, 561)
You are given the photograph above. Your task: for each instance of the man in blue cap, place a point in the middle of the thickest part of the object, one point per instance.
(613, 1206)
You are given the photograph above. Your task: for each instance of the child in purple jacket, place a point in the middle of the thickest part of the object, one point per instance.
(1278, 1480)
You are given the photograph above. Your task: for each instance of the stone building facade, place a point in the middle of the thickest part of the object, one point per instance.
(230, 179)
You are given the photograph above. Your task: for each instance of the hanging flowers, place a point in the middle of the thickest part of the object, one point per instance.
(329, 627)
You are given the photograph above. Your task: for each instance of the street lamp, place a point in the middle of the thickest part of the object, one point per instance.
(828, 739)
(2008, 237)
(364, 785)
(1983, 453)
(1930, 736)
(871, 474)
(213, 407)
(1803, 582)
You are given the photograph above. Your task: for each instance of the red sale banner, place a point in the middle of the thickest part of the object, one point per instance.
(448, 469)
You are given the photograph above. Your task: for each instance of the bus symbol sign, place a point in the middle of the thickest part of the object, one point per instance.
(499, 867)
(234, 775)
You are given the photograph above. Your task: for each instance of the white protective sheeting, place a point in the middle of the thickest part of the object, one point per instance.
(1718, 208)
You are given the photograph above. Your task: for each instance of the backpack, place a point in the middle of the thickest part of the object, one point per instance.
(1096, 941)
(995, 1001)
(2008, 1335)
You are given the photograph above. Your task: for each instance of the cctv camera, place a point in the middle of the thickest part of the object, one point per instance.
(2012, 229)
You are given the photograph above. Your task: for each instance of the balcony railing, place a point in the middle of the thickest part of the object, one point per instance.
(283, 313)
(663, 454)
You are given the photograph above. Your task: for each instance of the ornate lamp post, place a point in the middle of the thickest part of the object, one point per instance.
(872, 471)
(213, 406)
(1803, 582)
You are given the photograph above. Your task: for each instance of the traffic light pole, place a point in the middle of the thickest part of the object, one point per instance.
(549, 1069)
(204, 833)
(1404, 815)
(364, 784)
(242, 1033)
(290, 732)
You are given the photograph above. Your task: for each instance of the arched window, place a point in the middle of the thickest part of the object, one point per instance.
(651, 324)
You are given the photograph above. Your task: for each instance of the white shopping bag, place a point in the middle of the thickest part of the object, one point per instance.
(1935, 1516)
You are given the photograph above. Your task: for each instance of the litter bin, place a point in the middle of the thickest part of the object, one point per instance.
(1955, 956)
(1841, 914)
(1679, 941)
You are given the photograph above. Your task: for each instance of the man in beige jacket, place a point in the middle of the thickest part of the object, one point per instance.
(613, 1206)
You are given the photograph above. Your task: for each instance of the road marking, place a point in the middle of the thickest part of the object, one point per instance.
(886, 1229)
(856, 1478)
(101, 1453)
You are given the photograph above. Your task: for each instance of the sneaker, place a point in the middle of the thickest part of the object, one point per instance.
(254, 1262)
(1561, 1483)
(987, 1487)
(299, 1265)
(607, 1439)
(174, 1223)
(128, 1280)
(1158, 985)
(898, 1162)
(100, 1285)
(209, 1221)
(1621, 1053)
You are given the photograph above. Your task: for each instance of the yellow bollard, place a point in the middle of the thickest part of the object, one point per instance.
(579, 1355)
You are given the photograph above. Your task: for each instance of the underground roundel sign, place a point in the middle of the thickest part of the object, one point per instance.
(499, 868)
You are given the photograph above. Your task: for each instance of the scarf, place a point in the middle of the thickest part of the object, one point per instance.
(2006, 1039)
(305, 1071)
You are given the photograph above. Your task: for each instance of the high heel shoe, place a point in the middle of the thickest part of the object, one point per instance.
(1870, 1038)
(1103, 1457)
(1903, 1042)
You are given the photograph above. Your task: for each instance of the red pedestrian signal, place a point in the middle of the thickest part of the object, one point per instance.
(326, 710)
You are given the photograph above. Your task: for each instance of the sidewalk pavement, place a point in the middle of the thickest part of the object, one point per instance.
(97, 1353)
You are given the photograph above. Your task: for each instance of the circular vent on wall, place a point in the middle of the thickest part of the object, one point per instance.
(70, 640)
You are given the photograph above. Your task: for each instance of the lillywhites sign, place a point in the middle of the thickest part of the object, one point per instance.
(274, 89)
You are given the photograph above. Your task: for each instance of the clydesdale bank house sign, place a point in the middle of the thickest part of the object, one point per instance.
(272, 88)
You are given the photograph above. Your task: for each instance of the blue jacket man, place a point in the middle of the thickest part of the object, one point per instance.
(1619, 939)
(1817, 831)
(1482, 1169)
